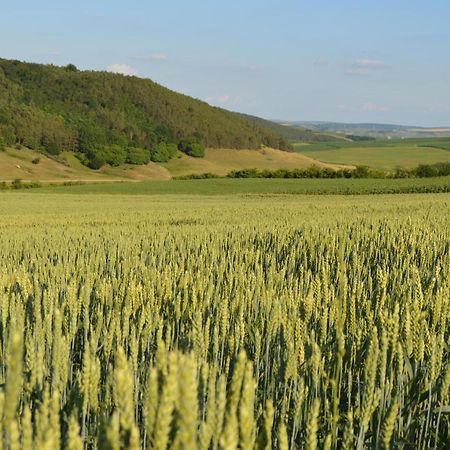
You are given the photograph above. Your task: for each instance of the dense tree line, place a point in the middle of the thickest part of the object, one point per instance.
(106, 117)
(421, 171)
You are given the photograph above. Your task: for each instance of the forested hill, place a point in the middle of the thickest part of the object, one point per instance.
(61, 108)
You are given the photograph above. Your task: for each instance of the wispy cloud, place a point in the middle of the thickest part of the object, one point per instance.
(123, 69)
(152, 57)
(365, 66)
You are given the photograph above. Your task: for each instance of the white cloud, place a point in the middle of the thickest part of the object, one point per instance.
(158, 57)
(152, 57)
(371, 63)
(365, 66)
(374, 107)
(123, 69)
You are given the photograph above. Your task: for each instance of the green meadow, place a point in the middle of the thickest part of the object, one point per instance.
(258, 186)
(382, 154)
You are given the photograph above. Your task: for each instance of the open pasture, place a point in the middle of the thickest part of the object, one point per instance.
(383, 154)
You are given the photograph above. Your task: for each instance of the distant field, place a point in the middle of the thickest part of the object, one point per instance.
(258, 186)
(406, 153)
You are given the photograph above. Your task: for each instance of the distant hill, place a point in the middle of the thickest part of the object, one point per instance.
(57, 109)
(376, 130)
(288, 131)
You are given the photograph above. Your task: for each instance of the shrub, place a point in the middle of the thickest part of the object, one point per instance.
(160, 153)
(36, 161)
(198, 176)
(401, 172)
(17, 184)
(52, 149)
(192, 148)
(425, 170)
(172, 150)
(2, 145)
(95, 162)
(113, 155)
(361, 172)
(137, 155)
(443, 169)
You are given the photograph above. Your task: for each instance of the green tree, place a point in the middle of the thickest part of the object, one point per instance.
(160, 153)
(172, 150)
(192, 148)
(137, 155)
(71, 68)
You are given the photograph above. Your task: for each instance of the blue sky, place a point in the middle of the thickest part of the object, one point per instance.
(341, 60)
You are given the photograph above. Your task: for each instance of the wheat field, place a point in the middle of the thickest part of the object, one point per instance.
(224, 322)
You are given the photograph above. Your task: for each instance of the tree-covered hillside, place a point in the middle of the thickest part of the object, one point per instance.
(113, 118)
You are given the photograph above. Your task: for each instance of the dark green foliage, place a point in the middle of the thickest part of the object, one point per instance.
(52, 148)
(160, 153)
(137, 155)
(361, 172)
(55, 109)
(192, 148)
(2, 144)
(36, 161)
(172, 150)
(356, 138)
(422, 171)
(435, 170)
(95, 161)
(114, 155)
(71, 68)
(198, 176)
(425, 170)
(310, 172)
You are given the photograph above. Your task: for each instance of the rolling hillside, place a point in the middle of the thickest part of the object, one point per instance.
(28, 165)
(57, 109)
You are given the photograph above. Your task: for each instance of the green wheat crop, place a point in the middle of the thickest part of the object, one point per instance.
(224, 323)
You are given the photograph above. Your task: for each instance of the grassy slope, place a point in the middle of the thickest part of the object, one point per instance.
(221, 162)
(381, 154)
(17, 164)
